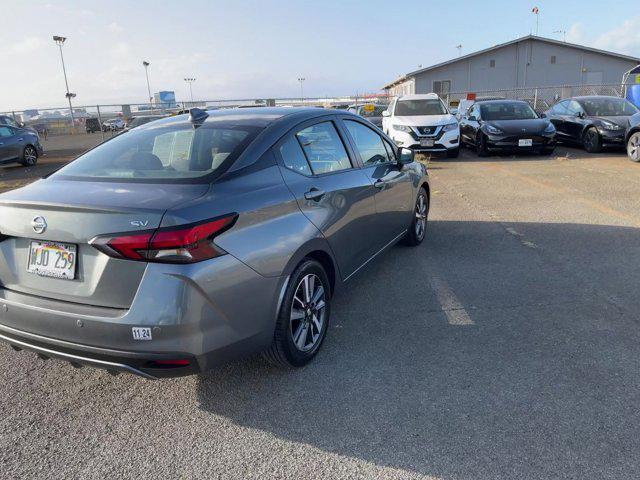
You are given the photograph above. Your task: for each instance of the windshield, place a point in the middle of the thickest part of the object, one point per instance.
(163, 153)
(608, 107)
(507, 111)
(408, 108)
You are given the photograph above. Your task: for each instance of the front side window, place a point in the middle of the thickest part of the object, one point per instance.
(408, 108)
(369, 144)
(573, 108)
(165, 153)
(507, 111)
(5, 132)
(560, 109)
(323, 148)
(608, 107)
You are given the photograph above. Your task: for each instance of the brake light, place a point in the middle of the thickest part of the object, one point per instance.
(184, 244)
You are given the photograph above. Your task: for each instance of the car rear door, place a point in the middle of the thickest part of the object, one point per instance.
(9, 144)
(394, 189)
(331, 190)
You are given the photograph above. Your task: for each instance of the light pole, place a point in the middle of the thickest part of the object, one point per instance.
(60, 41)
(146, 71)
(190, 81)
(459, 47)
(301, 80)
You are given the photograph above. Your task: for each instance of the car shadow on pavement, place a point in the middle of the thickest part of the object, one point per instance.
(540, 382)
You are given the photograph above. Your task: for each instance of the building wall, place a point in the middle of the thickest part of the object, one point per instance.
(526, 64)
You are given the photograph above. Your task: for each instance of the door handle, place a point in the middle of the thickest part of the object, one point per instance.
(379, 184)
(314, 194)
(20, 139)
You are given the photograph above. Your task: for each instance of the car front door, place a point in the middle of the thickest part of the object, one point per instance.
(557, 116)
(470, 124)
(394, 195)
(9, 144)
(331, 190)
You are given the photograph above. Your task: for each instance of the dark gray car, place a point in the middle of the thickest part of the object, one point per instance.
(195, 239)
(19, 145)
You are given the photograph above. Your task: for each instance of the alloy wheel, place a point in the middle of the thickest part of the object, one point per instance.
(633, 147)
(30, 156)
(308, 313)
(421, 216)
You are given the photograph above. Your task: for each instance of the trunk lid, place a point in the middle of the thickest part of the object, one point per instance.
(75, 212)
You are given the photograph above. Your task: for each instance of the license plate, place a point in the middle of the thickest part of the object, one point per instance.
(53, 259)
(141, 333)
(426, 142)
(525, 142)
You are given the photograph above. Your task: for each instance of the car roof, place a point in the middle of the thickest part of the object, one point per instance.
(594, 97)
(501, 100)
(419, 96)
(257, 116)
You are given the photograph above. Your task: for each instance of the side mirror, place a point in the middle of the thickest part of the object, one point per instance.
(580, 114)
(386, 113)
(543, 115)
(472, 118)
(405, 156)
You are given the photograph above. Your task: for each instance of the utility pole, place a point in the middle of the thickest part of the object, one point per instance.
(60, 41)
(190, 81)
(301, 80)
(146, 64)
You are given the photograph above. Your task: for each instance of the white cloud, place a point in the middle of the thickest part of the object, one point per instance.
(114, 27)
(625, 38)
(576, 33)
(23, 46)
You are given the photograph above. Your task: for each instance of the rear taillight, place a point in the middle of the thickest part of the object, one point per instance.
(184, 244)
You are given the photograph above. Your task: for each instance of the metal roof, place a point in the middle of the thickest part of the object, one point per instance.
(506, 44)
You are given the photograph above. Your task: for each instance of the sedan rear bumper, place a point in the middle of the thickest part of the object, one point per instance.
(200, 315)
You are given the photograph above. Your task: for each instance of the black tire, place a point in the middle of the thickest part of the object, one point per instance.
(591, 141)
(29, 156)
(415, 235)
(453, 152)
(481, 146)
(633, 147)
(283, 351)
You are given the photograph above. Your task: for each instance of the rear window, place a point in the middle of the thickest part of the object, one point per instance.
(171, 153)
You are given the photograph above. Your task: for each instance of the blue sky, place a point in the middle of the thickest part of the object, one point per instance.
(258, 49)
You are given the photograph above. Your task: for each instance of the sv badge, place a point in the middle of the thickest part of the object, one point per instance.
(140, 223)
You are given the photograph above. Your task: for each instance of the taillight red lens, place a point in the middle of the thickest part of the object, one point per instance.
(185, 244)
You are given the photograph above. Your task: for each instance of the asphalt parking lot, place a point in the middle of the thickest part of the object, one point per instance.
(506, 346)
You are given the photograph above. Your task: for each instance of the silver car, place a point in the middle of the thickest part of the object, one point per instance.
(200, 238)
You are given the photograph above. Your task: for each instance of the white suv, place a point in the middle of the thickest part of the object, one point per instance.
(423, 124)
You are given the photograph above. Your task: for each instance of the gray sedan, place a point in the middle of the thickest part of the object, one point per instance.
(19, 145)
(196, 239)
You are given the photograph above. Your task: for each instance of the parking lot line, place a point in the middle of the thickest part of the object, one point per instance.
(451, 306)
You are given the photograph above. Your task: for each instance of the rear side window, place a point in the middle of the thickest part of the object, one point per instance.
(369, 144)
(323, 148)
(167, 153)
(293, 156)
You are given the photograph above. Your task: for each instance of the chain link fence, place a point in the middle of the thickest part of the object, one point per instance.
(92, 118)
(540, 98)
